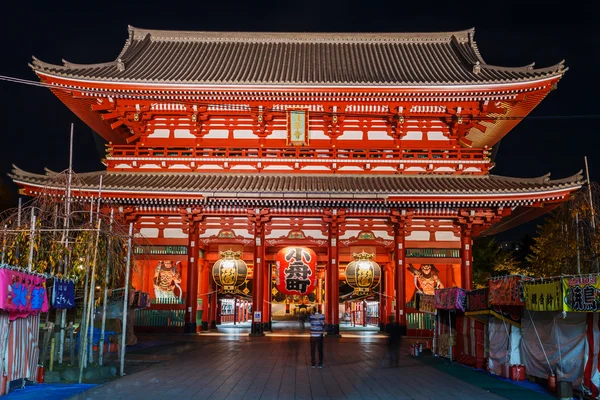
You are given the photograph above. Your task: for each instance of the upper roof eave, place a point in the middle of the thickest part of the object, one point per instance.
(463, 55)
(467, 85)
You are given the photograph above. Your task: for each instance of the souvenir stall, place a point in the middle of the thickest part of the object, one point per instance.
(449, 303)
(22, 297)
(505, 298)
(424, 304)
(472, 330)
(556, 343)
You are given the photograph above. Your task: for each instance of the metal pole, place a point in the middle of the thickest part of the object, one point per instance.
(91, 304)
(577, 242)
(105, 300)
(65, 241)
(31, 241)
(450, 335)
(3, 244)
(90, 316)
(126, 299)
(17, 250)
(83, 327)
(587, 174)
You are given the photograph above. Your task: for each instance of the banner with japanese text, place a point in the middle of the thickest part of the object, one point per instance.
(451, 299)
(506, 291)
(477, 300)
(296, 270)
(63, 295)
(22, 294)
(581, 294)
(543, 296)
(425, 303)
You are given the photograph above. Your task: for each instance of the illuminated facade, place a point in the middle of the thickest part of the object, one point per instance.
(337, 143)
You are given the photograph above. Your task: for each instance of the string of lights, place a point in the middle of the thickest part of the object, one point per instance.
(235, 107)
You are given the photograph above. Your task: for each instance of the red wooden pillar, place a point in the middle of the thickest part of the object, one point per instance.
(388, 294)
(258, 276)
(267, 296)
(335, 280)
(213, 305)
(399, 275)
(191, 298)
(328, 291)
(319, 289)
(204, 289)
(466, 267)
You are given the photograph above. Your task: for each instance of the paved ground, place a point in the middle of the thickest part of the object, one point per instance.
(234, 366)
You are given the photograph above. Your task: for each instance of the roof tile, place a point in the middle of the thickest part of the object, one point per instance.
(298, 58)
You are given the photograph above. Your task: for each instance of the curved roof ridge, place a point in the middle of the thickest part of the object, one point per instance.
(578, 177)
(68, 64)
(537, 179)
(556, 68)
(273, 37)
(39, 64)
(21, 172)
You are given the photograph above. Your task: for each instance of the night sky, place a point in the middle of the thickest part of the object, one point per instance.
(554, 139)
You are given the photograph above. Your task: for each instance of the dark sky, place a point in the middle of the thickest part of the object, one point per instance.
(35, 125)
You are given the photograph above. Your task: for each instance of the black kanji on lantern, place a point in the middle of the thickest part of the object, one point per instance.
(298, 271)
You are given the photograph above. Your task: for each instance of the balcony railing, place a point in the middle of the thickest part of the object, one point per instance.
(161, 250)
(432, 253)
(138, 151)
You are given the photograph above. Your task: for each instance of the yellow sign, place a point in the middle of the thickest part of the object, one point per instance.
(543, 296)
(581, 294)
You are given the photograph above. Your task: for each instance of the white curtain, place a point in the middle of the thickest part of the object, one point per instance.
(3, 349)
(559, 341)
(498, 338)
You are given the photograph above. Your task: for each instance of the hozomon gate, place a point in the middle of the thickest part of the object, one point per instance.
(338, 142)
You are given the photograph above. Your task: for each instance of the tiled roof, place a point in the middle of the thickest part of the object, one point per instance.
(306, 186)
(261, 58)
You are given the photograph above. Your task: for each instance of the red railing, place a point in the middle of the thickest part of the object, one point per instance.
(138, 151)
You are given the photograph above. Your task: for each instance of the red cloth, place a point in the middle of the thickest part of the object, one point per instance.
(506, 292)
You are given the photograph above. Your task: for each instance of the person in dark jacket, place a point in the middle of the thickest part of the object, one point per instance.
(392, 330)
(317, 323)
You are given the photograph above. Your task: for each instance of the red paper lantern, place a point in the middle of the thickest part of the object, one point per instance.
(296, 271)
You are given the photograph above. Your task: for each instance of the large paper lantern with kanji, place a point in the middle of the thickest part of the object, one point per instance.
(363, 274)
(230, 271)
(296, 271)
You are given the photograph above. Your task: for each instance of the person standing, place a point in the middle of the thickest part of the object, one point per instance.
(393, 343)
(317, 323)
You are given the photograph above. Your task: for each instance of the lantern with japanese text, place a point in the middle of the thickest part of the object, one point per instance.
(230, 271)
(296, 271)
(363, 274)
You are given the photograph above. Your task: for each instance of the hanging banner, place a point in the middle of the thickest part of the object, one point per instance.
(581, 294)
(63, 295)
(296, 271)
(543, 296)
(297, 127)
(451, 299)
(506, 291)
(425, 303)
(21, 293)
(477, 300)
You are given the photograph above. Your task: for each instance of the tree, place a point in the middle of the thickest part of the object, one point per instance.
(568, 241)
(490, 260)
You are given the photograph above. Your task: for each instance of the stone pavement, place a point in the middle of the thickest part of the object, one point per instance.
(235, 366)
